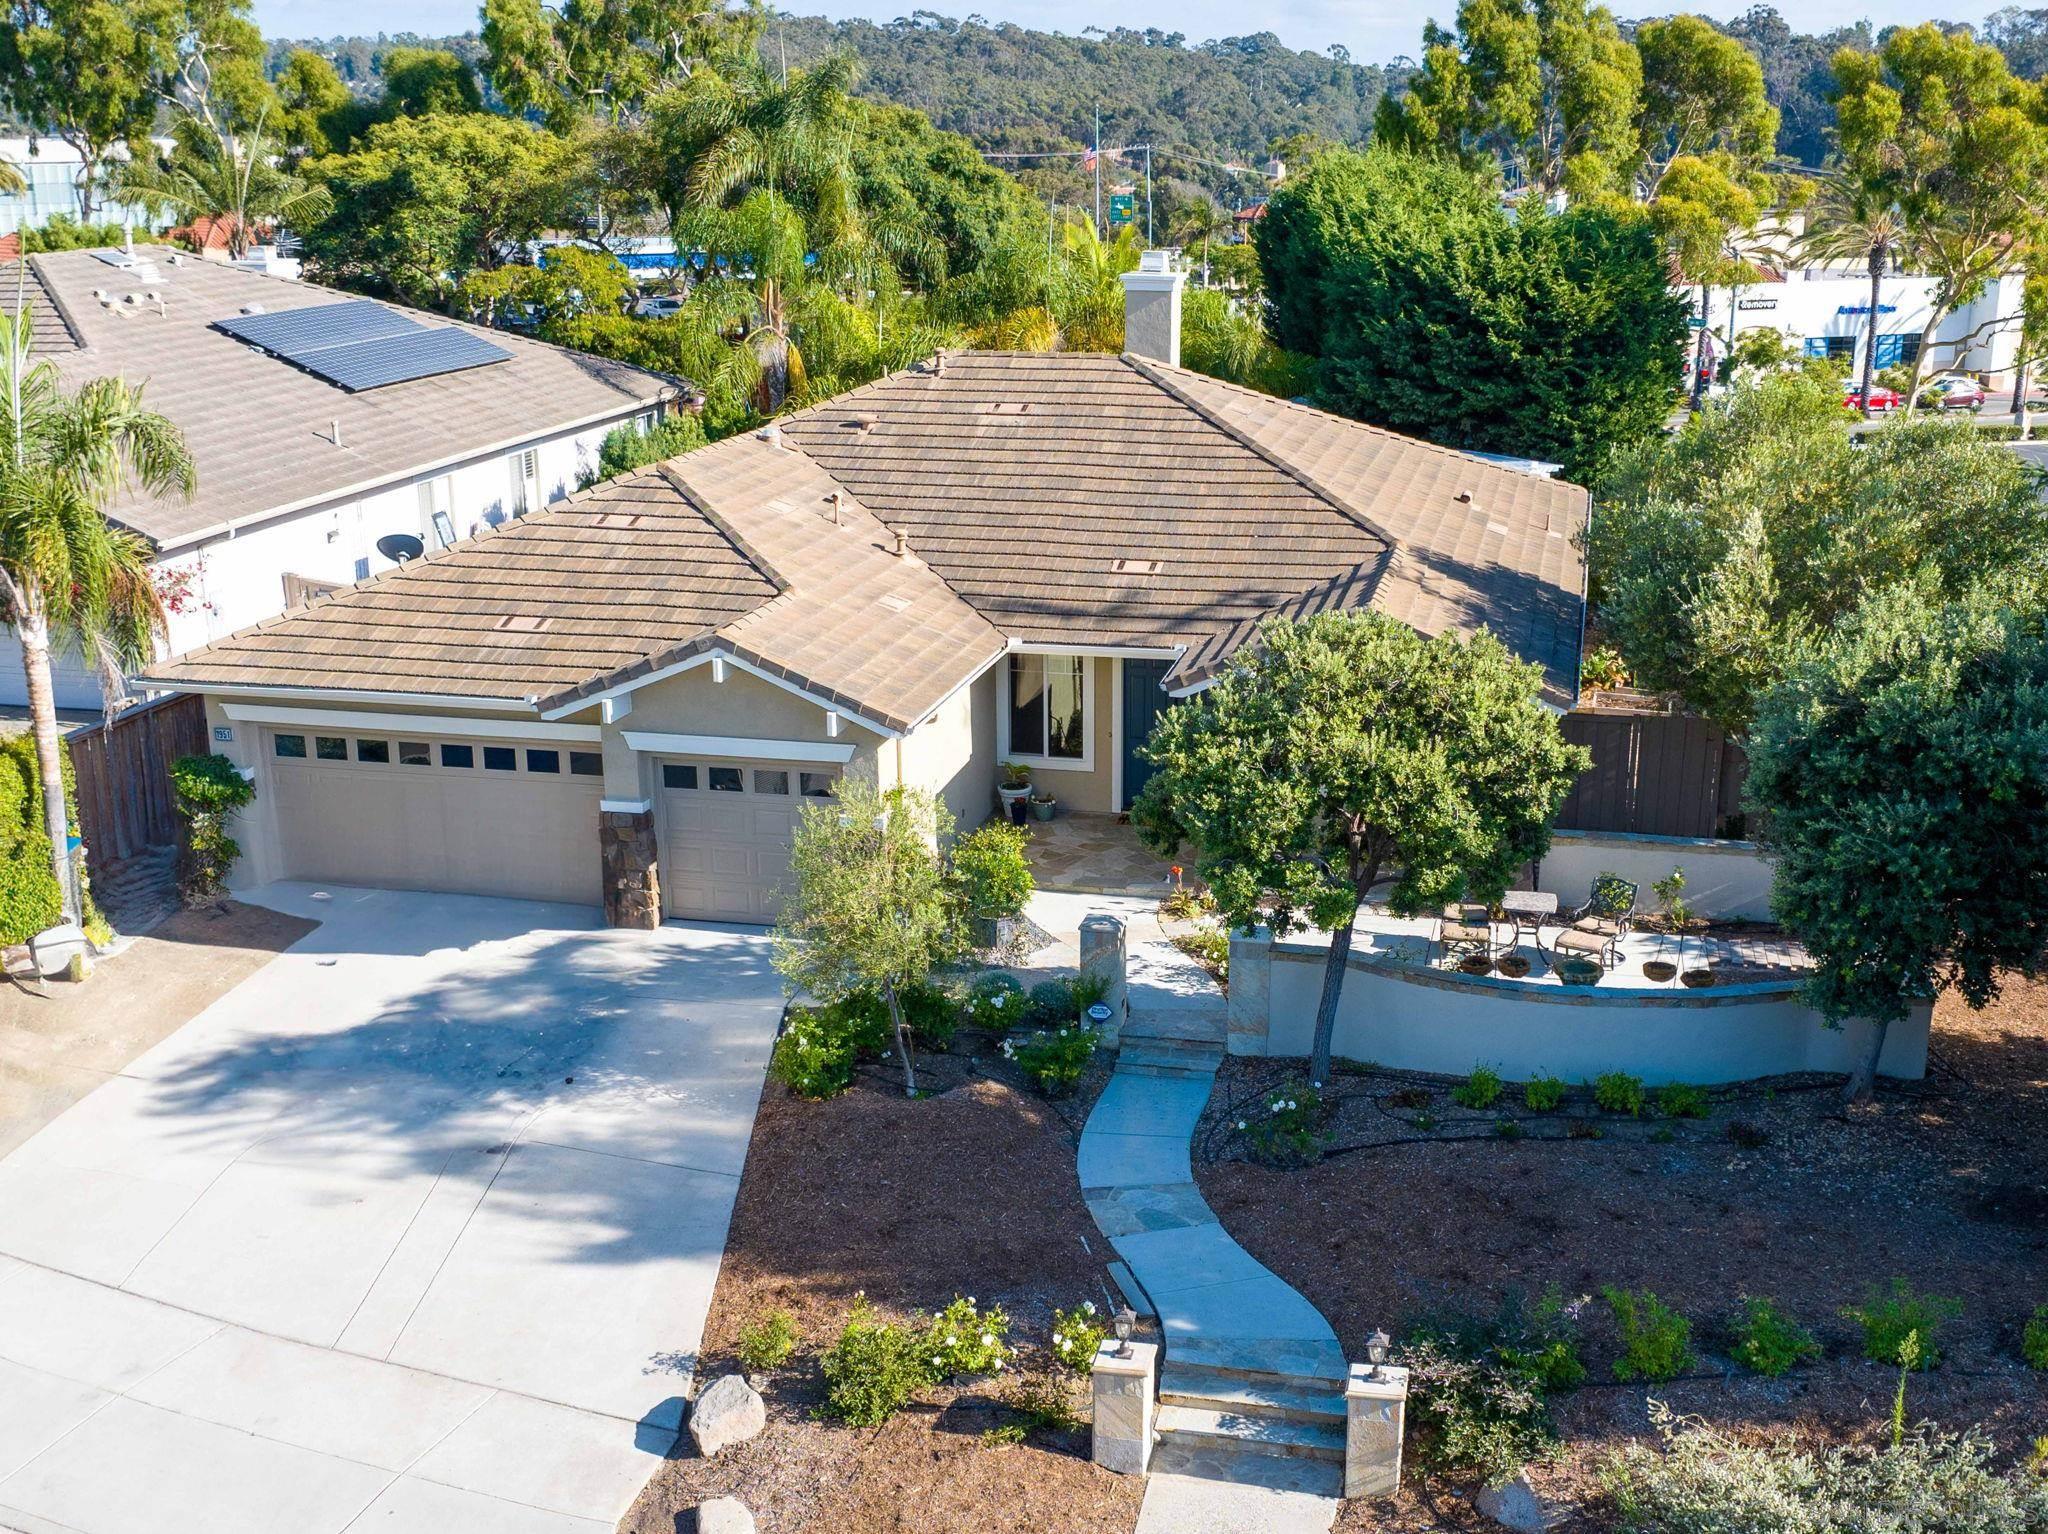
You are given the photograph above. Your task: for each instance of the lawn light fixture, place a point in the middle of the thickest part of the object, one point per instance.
(1377, 1346)
(1125, 1322)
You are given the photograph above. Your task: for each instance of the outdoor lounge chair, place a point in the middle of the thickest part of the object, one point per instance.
(1595, 929)
(1466, 929)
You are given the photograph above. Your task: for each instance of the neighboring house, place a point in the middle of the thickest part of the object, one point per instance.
(50, 167)
(434, 430)
(989, 557)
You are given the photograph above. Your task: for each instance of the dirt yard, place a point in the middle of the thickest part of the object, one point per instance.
(970, 1192)
(1427, 1210)
(57, 1047)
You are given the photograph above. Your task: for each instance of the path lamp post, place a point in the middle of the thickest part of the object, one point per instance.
(1124, 1323)
(1377, 1348)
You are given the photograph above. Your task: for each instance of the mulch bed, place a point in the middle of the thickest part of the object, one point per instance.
(967, 1192)
(1430, 1212)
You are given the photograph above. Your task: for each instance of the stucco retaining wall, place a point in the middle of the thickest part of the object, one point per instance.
(1725, 880)
(1410, 1017)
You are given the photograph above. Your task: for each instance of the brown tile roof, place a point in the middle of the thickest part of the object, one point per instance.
(1090, 500)
(261, 429)
(22, 286)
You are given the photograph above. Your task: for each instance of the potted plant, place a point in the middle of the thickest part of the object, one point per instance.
(1513, 965)
(1579, 971)
(1660, 970)
(1043, 804)
(995, 881)
(1014, 790)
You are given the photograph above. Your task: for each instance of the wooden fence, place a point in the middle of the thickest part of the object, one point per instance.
(1656, 775)
(125, 807)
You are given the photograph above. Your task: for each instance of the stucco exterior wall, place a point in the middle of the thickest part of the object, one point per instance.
(953, 753)
(1723, 879)
(1414, 1018)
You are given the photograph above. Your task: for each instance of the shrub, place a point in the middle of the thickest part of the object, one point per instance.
(1542, 1339)
(1619, 1092)
(1581, 1129)
(865, 1018)
(1682, 1100)
(1930, 1482)
(873, 1369)
(1508, 1129)
(1891, 1314)
(209, 790)
(994, 874)
(1286, 1128)
(995, 1002)
(962, 1340)
(767, 1343)
(1478, 1388)
(931, 1012)
(627, 447)
(1076, 1335)
(816, 1053)
(1186, 903)
(1089, 989)
(1208, 947)
(1056, 1059)
(29, 897)
(1770, 1343)
(2034, 1339)
(1543, 1094)
(1043, 1404)
(1656, 1341)
(1670, 893)
(1051, 1001)
(1480, 1090)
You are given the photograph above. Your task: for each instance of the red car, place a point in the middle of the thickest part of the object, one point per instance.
(1881, 399)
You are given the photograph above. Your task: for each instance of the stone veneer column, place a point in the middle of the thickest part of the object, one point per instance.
(1102, 953)
(632, 868)
(1251, 990)
(1123, 1407)
(1375, 1413)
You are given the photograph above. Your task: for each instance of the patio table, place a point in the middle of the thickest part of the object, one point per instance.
(1533, 907)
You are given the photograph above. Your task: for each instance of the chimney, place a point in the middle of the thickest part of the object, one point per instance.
(1152, 308)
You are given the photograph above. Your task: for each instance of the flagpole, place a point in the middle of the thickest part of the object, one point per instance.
(1098, 172)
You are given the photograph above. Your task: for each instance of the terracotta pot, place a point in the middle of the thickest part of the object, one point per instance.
(1514, 966)
(1660, 970)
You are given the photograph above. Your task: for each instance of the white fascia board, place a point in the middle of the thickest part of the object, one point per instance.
(622, 689)
(338, 695)
(1112, 652)
(1189, 692)
(704, 658)
(745, 747)
(398, 724)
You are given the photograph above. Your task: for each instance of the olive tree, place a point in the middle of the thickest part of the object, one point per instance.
(1901, 770)
(1344, 751)
(871, 906)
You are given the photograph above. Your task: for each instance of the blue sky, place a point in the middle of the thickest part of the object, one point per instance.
(1372, 29)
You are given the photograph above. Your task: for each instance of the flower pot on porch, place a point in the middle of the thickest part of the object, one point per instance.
(1578, 972)
(1043, 808)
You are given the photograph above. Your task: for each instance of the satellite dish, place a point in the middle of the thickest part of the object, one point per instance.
(400, 547)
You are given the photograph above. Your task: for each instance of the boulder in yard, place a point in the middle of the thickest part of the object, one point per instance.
(728, 1412)
(724, 1515)
(1516, 1506)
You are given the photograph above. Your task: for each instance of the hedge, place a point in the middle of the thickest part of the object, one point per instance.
(29, 898)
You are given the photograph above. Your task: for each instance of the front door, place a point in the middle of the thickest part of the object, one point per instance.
(1144, 701)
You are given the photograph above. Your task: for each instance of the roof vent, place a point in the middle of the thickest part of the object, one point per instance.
(618, 519)
(894, 603)
(1009, 407)
(252, 309)
(521, 623)
(1136, 566)
(938, 364)
(1465, 496)
(838, 499)
(902, 544)
(771, 434)
(861, 423)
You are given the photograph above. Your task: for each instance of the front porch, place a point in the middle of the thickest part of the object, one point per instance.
(1086, 854)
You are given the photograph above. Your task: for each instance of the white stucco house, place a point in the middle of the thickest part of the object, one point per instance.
(431, 430)
(626, 697)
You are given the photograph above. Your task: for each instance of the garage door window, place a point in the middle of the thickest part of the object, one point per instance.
(543, 761)
(290, 745)
(458, 756)
(818, 785)
(769, 781)
(500, 759)
(414, 753)
(677, 775)
(586, 764)
(373, 751)
(330, 748)
(726, 780)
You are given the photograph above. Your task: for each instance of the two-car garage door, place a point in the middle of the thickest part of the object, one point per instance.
(725, 833)
(469, 816)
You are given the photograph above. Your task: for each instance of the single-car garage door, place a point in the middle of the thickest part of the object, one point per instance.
(725, 833)
(473, 817)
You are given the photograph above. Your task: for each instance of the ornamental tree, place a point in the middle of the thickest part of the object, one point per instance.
(1902, 775)
(1345, 751)
(871, 907)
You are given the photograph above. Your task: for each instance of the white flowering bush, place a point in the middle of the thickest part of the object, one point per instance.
(995, 1003)
(1285, 1127)
(1055, 1058)
(817, 1052)
(962, 1340)
(1076, 1337)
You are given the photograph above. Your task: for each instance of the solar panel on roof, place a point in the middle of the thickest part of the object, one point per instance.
(394, 359)
(292, 332)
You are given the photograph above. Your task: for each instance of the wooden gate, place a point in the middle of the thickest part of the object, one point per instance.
(125, 805)
(1655, 775)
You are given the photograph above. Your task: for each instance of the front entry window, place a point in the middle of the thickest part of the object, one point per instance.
(1048, 714)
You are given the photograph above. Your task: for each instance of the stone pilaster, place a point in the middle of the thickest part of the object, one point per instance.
(1375, 1416)
(1251, 988)
(632, 868)
(1123, 1407)
(1102, 953)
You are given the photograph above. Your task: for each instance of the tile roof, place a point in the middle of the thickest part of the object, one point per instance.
(261, 429)
(1075, 499)
(22, 287)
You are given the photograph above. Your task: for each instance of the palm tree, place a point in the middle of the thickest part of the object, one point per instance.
(236, 180)
(66, 573)
(1203, 219)
(1089, 299)
(1854, 219)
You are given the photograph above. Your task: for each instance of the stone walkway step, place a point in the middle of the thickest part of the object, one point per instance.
(1178, 1025)
(1179, 1054)
(1205, 1426)
(1308, 1362)
(1214, 1489)
(1270, 1395)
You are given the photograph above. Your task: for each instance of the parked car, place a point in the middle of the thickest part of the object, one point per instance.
(1953, 391)
(658, 306)
(1882, 399)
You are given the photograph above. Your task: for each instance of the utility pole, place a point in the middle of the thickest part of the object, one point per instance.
(1098, 172)
(1148, 195)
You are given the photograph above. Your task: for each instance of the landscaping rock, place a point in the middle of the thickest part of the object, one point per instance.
(1516, 1506)
(728, 1412)
(724, 1515)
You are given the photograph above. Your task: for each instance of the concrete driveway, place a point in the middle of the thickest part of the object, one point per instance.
(413, 1231)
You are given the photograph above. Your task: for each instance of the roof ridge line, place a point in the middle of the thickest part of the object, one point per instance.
(732, 535)
(1147, 369)
(34, 265)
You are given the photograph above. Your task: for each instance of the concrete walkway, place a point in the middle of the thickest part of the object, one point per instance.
(413, 1231)
(1219, 1309)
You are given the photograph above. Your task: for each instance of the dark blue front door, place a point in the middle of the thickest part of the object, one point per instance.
(1144, 700)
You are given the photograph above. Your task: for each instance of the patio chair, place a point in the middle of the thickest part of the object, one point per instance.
(1595, 929)
(1466, 929)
